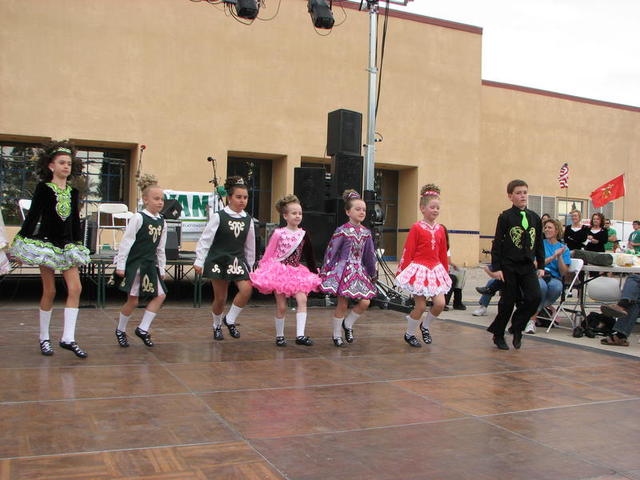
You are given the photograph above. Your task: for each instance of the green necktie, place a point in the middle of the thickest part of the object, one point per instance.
(525, 222)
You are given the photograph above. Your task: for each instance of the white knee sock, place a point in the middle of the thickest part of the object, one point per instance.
(122, 323)
(301, 322)
(147, 318)
(217, 320)
(351, 319)
(45, 320)
(69, 332)
(232, 314)
(279, 327)
(412, 325)
(337, 327)
(427, 318)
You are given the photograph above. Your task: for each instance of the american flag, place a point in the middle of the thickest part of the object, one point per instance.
(563, 178)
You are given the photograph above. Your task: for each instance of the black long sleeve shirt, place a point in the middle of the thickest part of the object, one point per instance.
(514, 248)
(575, 239)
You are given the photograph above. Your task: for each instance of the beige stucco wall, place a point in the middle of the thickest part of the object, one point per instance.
(189, 82)
(529, 135)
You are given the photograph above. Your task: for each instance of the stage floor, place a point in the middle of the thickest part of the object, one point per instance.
(192, 408)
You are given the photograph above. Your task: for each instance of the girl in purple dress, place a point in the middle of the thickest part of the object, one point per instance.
(349, 268)
(280, 272)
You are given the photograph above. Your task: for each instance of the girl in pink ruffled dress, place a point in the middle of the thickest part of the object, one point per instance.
(423, 270)
(280, 272)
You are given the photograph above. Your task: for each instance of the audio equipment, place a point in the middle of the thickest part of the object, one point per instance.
(89, 229)
(346, 173)
(344, 132)
(320, 226)
(174, 239)
(171, 210)
(309, 186)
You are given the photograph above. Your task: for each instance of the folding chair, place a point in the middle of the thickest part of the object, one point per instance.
(570, 313)
(117, 211)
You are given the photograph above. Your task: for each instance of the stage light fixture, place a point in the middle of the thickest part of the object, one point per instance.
(245, 8)
(321, 14)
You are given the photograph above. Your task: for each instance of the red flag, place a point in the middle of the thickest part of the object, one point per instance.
(563, 178)
(608, 192)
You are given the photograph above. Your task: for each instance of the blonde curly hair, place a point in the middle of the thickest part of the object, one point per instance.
(428, 192)
(281, 205)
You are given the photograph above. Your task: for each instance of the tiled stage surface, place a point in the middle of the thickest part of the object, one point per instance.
(192, 408)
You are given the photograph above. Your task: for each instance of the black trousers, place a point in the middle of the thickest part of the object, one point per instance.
(523, 289)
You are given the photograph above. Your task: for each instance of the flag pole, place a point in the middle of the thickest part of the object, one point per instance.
(623, 210)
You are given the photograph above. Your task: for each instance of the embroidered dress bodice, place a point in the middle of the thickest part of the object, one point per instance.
(294, 258)
(289, 245)
(358, 236)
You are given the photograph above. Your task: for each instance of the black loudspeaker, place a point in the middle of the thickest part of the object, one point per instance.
(346, 173)
(174, 239)
(336, 206)
(309, 187)
(171, 210)
(89, 231)
(320, 226)
(344, 132)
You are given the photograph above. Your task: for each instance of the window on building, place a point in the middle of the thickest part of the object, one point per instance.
(567, 205)
(105, 177)
(386, 186)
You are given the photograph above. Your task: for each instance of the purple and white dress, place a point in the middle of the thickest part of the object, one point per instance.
(349, 263)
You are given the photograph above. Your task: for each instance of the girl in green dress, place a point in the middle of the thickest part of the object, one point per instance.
(226, 253)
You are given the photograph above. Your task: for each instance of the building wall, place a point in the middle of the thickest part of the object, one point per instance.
(529, 134)
(189, 82)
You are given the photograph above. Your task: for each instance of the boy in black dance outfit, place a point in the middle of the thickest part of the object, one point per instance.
(516, 254)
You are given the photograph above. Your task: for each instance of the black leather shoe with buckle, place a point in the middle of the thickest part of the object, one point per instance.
(144, 336)
(233, 331)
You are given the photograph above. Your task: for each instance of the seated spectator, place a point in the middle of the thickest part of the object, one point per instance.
(597, 236)
(557, 261)
(575, 235)
(457, 276)
(492, 287)
(545, 217)
(634, 238)
(625, 312)
(612, 241)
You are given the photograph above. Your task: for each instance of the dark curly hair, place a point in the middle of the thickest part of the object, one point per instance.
(234, 182)
(48, 152)
(349, 196)
(281, 205)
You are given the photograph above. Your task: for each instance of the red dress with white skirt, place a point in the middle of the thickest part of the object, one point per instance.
(424, 268)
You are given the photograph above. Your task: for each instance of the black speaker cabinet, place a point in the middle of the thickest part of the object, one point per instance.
(346, 173)
(309, 186)
(171, 210)
(174, 239)
(320, 226)
(344, 132)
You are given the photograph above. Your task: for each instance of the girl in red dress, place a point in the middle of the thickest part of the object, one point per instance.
(423, 268)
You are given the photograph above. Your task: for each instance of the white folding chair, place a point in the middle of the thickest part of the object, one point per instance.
(24, 204)
(570, 313)
(116, 211)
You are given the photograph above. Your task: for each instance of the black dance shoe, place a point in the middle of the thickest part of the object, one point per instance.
(338, 342)
(500, 342)
(426, 335)
(281, 342)
(412, 340)
(233, 331)
(217, 333)
(459, 306)
(144, 336)
(73, 346)
(305, 341)
(517, 340)
(348, 333)
(45, 348)
(122, 338)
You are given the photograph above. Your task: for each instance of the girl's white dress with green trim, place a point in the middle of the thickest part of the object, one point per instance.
(50, 235)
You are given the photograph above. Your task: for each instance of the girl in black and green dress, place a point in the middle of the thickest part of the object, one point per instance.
(226, 253)
(140, 263)
(51, 239)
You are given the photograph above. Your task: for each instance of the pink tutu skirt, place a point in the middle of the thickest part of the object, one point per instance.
(276, 277)
(424, 281)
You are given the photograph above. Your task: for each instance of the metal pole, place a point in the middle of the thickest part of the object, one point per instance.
(369, 164)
